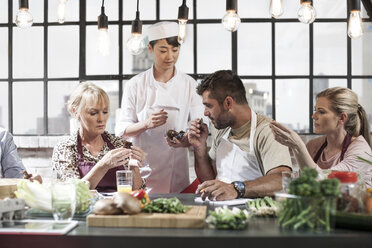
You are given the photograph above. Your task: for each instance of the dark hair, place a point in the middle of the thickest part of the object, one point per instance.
(221, 84)
(173, 41)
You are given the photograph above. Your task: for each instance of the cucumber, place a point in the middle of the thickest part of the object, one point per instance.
(354, 220)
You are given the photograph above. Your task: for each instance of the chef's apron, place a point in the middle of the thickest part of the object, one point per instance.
(170, 172)
(108, 182)
(345, 145)
(234, 164)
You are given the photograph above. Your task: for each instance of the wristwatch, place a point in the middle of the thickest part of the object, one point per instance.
(239, 186)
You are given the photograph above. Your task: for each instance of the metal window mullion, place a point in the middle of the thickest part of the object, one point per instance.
(311, 75)
(157, 8)
(120, 52)
(82, 40)
(10, 66)
(45, 79)
(273, 82)
(348, 50)
(195, 39)
(234, 51)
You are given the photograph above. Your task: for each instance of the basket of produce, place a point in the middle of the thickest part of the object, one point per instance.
(310, 204)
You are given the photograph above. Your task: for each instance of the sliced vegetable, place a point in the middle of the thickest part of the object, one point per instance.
(142, 196)
(263, 207)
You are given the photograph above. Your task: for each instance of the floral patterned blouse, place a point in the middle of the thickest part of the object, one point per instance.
(65, 155)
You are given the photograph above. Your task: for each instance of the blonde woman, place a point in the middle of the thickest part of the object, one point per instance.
(344, 125)
(92, 153)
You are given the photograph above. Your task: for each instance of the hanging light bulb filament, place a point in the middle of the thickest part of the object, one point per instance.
(306, 14)
(103, 36)
(183, 16)
(276, 8)
(355, 23)
(231, 19)
(136, 44)
(24, 18)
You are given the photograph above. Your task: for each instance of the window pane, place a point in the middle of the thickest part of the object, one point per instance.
(135, 64)
(3, 53)
(254, 44)
(58, 116)
(363, 11)
(362, 52)
(214, 48)
(28, 108)
(292, 49)
(330, 9)
(3, 11)
(290, 8)
(96, 63)
(71, 10)
(320, 84)
(169, 9)
(63, 51)
(292, 103)
(112, 90)
(4, 105)
(94, 10)
(36, 9)
(147, 10)
(253, 9)
(330, 49)
(363, 88)
(259, 95)
(211, 9)
(185, 60)
(28, 56)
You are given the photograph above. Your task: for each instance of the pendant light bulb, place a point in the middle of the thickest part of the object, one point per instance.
(306, 14)
(103, 42)
(103, 36)
(61, 11)
(276, 8)
(231, 19)
(181, 31)
(136, 44)
(24, 18)
(183, 17)
(355, 24)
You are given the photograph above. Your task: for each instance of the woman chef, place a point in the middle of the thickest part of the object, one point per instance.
(155, 101)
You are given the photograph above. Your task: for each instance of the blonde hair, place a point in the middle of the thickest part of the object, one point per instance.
(84, 93)
(345, 100)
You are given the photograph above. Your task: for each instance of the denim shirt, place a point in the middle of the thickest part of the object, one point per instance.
(11, 165)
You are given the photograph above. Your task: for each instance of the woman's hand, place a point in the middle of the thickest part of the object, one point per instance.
(285, 135)
(115, 158)
(138, 154)
(157, 119)
(184, 142)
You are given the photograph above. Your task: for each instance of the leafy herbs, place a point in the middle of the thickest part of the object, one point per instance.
(165, 205)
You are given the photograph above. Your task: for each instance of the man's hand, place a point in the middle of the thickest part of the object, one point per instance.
(216, 190)
(157, 119)
(184, 142)
(197, 134)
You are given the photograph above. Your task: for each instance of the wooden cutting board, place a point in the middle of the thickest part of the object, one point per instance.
(193, 218)
(7, 187)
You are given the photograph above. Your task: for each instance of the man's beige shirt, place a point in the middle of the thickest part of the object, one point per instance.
(269, 152)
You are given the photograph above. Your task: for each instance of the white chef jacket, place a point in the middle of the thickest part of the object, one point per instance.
(142, 96)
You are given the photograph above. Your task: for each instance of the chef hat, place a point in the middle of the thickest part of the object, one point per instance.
(162, 30)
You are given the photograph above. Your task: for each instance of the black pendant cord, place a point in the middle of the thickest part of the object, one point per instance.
(137, 5)
(103, 3)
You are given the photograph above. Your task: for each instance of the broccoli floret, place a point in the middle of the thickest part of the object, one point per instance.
(330, 187)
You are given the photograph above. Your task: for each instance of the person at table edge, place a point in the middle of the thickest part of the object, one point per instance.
(244, 159)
